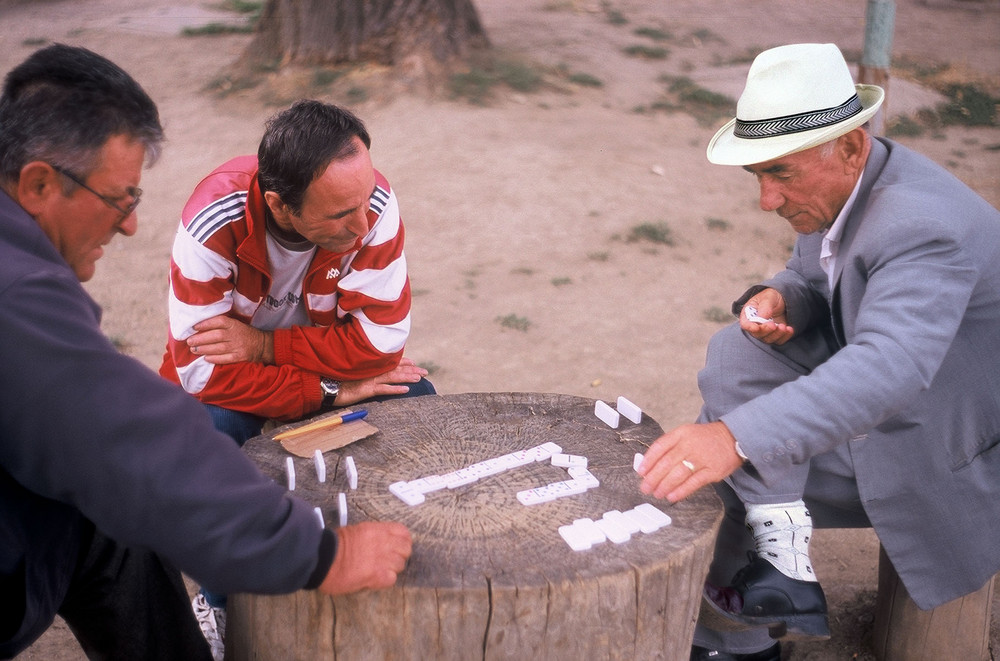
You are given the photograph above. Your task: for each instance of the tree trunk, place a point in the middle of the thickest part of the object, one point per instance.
(378, 31)
(957, 629)
(491, 578)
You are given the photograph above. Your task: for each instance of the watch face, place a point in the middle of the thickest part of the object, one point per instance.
(329, 387)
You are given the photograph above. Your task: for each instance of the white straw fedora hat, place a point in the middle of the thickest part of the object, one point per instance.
(796, 97)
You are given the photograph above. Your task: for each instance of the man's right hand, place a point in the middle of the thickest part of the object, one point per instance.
(388, 383)
(369, 556)
(769, 304)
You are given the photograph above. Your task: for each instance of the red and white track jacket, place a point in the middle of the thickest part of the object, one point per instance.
(358, 302)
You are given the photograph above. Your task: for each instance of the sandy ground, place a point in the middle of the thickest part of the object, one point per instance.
(522, 209)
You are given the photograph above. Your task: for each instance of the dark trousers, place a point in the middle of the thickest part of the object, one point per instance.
(737, 369)
(125, 604)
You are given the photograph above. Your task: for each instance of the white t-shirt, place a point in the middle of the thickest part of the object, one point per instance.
(283, 305)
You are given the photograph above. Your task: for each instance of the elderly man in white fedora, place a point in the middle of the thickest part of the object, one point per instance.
(861, 385)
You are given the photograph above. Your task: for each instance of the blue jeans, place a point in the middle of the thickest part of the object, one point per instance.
(242, 426)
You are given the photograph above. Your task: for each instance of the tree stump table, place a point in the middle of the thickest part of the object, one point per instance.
(490, 578)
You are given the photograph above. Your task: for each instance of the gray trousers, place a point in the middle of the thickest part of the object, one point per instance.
(737, 369)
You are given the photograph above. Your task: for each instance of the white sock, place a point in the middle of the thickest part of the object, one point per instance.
(781, 534)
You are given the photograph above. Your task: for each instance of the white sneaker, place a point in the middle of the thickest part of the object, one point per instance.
(213, 625)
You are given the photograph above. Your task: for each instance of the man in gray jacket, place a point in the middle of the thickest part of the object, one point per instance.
(109, 475)
(861, 385)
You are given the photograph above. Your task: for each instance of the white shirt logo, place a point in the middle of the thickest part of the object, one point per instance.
(332, 273)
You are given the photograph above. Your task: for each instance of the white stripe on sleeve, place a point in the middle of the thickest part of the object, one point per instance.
(387, 226)
(387, 339)
(183, 316)
(198, 263)
(381, 284)
(195, 376)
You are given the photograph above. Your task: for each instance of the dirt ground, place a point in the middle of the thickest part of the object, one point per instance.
(519, 211)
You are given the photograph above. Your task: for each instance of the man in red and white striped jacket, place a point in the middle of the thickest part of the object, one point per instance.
(288, 268)
(288, 284)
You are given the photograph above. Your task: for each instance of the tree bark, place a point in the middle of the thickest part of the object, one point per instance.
(378, 31)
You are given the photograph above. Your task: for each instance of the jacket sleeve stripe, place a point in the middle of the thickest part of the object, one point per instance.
(184, 316)
(194, 377)
(217, 215)
(386, 339)
(198, 263)
(380, 197)
(382, 285)
(387, 225)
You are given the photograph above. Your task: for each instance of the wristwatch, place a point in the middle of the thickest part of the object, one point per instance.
(329, 388)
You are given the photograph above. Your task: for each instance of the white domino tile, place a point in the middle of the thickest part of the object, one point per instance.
(751, 313)
(625, 522)
(629, 410)
(461, 477)
(546, 450)
(290, 473)
(521, 458)
(607, 414)
(342, 508)
(406, 494)
(575, 537)
(587, 479)
(646, 524)
(487, 468)
(352, 472)
(320, 465)
(616, 526)
(535, 496)
(636, 461)
(319, 515)
(648, 517)
(591, 529)
(655, 513)
(428, 484)
(575, 486)
(569, 460)
(616, 532)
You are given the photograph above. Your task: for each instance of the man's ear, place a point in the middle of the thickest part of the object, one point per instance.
(278, 208)
(854, 147)
(37, 183)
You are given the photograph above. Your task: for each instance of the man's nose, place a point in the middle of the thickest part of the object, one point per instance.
(770, 197)
(358, 224)
(129, 224)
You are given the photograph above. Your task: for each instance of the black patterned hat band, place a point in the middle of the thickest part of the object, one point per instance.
(806, 121)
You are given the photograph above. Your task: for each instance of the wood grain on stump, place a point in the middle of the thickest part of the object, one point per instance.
(489, 577)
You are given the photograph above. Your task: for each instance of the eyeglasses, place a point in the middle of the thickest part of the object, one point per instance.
(134, 193)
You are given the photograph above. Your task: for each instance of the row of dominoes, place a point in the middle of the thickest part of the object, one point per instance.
(580, 480)
(623, 407)
(412, 492)
(352, 470)
(352, 478)
(615, 525)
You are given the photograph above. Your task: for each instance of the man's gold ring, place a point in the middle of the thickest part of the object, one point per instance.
(688, 465)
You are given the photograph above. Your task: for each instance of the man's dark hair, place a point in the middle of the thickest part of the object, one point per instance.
(62, 105)
(300, 142)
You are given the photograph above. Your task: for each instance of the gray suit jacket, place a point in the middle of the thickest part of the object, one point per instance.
(914, 388)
